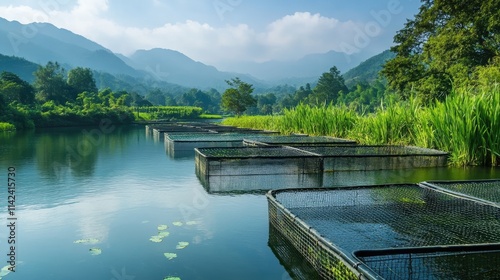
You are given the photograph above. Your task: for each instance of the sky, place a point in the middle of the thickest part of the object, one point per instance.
(216, 32)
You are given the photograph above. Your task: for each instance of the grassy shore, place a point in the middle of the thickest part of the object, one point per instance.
(466, 124)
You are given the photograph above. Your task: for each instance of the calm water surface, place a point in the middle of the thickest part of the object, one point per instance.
(117, 186)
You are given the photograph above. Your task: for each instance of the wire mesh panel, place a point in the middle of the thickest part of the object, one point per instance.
(348, 219)
(295, 140)
(350, 158)
(179, 143)
(448, 262)
(484, 190)
(255, 161)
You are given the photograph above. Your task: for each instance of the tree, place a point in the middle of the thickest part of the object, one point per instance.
(80, 80)
(238, 97)
(443, 45)
(50, 83)
(13, 88)
(330, 85)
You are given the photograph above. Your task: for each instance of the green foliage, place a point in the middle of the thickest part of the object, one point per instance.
(50, 84)
(368, 71)
(442, 47)
(81, 79)
(168, 112)
(466, 124)
(7, 126)
(238, 97)
(14, 89)
(330, 86)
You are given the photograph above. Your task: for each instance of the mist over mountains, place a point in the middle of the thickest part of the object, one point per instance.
(42, 42)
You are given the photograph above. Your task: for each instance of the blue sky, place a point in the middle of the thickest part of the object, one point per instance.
(219, 31)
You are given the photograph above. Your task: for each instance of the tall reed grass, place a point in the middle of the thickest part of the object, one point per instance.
(466, 124)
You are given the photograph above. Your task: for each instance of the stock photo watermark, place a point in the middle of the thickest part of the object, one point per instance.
(223, 7)
(364, 36)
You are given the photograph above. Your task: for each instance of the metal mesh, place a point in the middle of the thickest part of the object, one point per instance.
(179, 143)
(351, 158)
(460, 262)
(296, 140)
(485, 190)
(255, 161)
(378, 217)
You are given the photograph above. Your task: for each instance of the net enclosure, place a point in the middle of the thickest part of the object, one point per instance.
(399, 231)
(487, 191)
(295, 140)
(255, 161)
(366, 157)
(187, 142)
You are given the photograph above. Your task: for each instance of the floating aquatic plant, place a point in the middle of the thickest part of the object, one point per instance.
(95, 251)
(177, 224)
(162, 227)
(163, 234)
(170, 256)
(4, 271)
(190, 223)
(182, 245)
(171, 278)
(156, 239)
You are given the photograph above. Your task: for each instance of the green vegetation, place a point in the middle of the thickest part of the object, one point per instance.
(7, 127)
(465, 124)
(238, 97)
(167, 112)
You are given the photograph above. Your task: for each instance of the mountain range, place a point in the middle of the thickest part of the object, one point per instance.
(40, 43)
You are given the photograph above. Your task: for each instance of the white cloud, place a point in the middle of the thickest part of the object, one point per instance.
(290, 37)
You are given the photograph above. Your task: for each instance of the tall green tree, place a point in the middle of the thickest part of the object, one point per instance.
(238, 97)
(50, 83)
(443, 45)
(81, 79)
(330, 85)
(13, 88)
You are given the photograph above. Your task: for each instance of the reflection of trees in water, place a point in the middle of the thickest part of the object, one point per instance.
(16, 148)
(76, 150)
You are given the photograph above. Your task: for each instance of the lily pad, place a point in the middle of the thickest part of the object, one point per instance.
(87, 241)
(171, 278)
(95, 251)
(182, 245)
(162, 227)
(5, 270)
(190, 223)
(156, 239)
(163, 234)
(170, 256)
(177, 224)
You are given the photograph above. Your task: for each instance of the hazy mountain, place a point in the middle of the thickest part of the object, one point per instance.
(368, 70)
(309, 67)
(43, 42)
(177, 68)
(19, 66)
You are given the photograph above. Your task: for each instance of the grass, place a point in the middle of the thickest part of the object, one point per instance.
(466, 124)
(7, 126)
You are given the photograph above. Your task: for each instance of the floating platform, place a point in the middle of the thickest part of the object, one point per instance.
(359, 158)
(295, 140)
(401, 231)
(486, 191)
(255, 161)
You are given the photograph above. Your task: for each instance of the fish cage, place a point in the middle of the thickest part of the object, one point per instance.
(255, 161)
(257, 184)
(351, 158)
(486, 191)
(336, 229)
(187, 142)
(295, 140)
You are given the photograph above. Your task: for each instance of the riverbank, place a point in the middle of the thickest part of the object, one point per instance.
(465, 124)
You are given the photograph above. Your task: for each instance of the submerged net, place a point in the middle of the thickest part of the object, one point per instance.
(344, 220)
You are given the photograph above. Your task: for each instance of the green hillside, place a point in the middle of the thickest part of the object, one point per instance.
(19, 66)
(368, 70)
